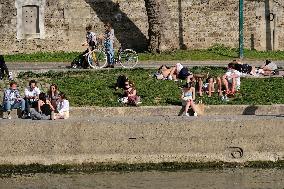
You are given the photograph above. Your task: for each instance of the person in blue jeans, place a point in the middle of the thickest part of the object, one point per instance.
(108, 43)
(13, 100)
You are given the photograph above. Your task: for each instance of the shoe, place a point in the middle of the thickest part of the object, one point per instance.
(187, 114)
(111, 66)
(195, 114)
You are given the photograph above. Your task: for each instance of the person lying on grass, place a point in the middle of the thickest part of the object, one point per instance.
(243, 68)
(180, 72)
(188, 97)
(268, 68)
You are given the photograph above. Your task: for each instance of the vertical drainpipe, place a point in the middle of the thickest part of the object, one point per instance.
(241, 29)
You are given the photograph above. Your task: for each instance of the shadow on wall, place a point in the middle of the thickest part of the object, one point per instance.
(180, 22)
(127, 33)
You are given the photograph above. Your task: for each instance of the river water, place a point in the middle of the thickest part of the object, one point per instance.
(223, 178)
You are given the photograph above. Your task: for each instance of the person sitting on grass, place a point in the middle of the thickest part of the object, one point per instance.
(180, 72)
(13, 100)
(53, 94)
(231, 80)
(31, 96)
(130, 93)
(208, 87)
(43, 110)
(62, 107)
(120, 82)
(188, 97)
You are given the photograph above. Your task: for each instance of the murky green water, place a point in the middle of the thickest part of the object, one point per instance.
(219, 179)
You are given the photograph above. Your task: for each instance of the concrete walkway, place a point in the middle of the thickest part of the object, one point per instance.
(60, 66)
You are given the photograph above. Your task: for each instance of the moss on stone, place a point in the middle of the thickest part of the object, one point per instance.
(100, 167)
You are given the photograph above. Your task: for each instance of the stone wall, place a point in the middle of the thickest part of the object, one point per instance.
(197, 23)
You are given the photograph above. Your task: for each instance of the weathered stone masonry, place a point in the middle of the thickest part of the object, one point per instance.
(60, 25)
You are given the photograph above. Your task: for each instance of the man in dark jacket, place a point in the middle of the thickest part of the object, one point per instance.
(3, 67)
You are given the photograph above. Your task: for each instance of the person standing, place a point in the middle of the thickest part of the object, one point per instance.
(3, 67)
(108, 43)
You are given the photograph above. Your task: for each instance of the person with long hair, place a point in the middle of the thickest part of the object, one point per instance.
(53, 94)
(62, 107)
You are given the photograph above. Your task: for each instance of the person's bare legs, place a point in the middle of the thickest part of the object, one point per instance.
(187, 106)
(200, 85)
(192, 105)
(219, 86)
(210, 87)
(226, 83)
(233, 90)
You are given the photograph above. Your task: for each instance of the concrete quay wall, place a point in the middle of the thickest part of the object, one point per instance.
(145, 139)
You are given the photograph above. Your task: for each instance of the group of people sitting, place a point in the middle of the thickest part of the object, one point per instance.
(35, 104)
(227, 84)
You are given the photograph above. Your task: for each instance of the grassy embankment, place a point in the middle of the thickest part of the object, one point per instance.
(95, 88)
(216, 52)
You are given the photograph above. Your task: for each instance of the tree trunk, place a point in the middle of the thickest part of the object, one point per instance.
(161, 33)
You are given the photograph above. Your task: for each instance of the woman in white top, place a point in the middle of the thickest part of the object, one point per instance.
(62, 107)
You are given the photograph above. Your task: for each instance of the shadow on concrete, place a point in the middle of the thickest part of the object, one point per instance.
(250, 110)
(127, 33)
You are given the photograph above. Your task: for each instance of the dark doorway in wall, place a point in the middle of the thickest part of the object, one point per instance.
(127, 33)
(30, 20)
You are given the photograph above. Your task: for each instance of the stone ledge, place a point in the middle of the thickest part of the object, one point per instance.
(151, 139)
(80, 112)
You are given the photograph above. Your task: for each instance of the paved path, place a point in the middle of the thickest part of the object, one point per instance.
(57, 66)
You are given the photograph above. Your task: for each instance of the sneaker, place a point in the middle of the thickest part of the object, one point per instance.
(195, 114)
(187, 114)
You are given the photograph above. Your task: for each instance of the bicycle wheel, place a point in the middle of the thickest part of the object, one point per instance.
(97, 59)
(128, 58)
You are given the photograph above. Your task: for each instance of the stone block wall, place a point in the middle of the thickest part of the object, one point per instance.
(197, 23)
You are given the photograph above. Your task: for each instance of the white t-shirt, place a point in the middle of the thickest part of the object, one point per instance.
(229, 75)
(91, 38)
(63, 106)
(179, 67)
(29, 92)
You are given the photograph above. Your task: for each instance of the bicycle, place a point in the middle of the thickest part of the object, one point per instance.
(97, 58)
(127, 58)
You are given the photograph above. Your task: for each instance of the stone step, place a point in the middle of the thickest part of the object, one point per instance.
(207, 110)
(151, 139)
